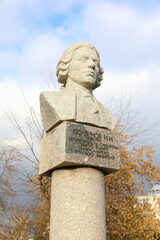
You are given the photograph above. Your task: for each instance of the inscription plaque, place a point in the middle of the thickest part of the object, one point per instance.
(73, 144)
(91, 143)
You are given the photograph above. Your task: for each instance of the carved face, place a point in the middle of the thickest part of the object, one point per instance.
(84, 67)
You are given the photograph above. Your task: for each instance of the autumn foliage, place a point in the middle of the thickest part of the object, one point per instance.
(126, 217)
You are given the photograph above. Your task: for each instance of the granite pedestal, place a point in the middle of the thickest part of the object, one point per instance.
(80, 146)
(77, 205)
(77, 156)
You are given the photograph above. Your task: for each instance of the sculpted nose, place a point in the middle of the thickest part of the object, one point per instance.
(91, 63)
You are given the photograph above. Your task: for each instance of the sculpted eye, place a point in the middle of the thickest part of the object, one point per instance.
(83, 59)
(96, 61)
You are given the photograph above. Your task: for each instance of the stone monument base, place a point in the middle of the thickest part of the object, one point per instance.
(77, 205)
(75, 145)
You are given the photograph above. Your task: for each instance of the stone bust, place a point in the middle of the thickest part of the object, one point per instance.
(80, 73)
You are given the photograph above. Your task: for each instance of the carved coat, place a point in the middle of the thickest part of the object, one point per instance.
(68, 105)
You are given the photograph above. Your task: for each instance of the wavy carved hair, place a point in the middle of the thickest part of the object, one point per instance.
(64, 63)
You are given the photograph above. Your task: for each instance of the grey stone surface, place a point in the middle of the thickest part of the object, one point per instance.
(80, 73)
(77, 205)
(80, 147)
(74, 144)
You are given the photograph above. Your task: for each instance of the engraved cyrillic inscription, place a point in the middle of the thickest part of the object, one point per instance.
(91, 143)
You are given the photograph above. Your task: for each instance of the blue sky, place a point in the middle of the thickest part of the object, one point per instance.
(34, 33)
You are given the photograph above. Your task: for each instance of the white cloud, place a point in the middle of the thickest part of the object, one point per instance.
(10, 100)
(40, 56)
(30, 74)
(9, 93)
(126, 84)
(10, 61)
(13, 102)
(11, 24)
(126, 38)
(22, 19)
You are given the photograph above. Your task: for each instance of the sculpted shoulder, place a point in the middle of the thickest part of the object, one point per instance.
(56, 107)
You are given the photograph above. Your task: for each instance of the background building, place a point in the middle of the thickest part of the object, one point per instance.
(153, 199)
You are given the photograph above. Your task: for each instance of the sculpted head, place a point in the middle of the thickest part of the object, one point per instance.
(81, 63)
